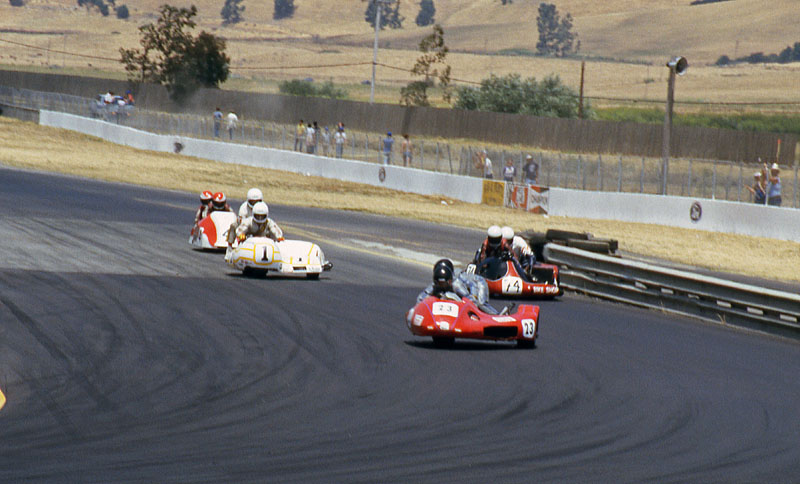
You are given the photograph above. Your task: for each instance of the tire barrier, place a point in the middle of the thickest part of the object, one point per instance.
(707, 298)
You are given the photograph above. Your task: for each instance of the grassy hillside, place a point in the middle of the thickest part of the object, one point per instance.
(325, 32)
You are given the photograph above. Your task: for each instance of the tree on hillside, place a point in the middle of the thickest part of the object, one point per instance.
(122, 12)
(390, 13)
(99, 4)
(507, 2)
(283, 9)
(433, 66)
(17, 3)
(426, 13)
(232, 12)
(171, 56)
(555, 33)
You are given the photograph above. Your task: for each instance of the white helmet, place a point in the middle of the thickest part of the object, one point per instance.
(254, 196)
(495, 235)
(260, 212)
(508, 233)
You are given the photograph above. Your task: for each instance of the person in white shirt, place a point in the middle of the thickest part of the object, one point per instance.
(232, 121)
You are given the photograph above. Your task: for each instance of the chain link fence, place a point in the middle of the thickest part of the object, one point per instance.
(720, 180)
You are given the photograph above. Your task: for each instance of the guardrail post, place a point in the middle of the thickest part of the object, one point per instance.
(619, 175)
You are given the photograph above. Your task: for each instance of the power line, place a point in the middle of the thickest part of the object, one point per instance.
(403, 69)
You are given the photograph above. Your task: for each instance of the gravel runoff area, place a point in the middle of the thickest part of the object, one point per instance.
(28, 145)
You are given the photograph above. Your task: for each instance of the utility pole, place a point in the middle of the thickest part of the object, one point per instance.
(677, 65)
(379, 6)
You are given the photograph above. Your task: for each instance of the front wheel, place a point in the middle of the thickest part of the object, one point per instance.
(443, 341)
(313, 276)
(526, 343)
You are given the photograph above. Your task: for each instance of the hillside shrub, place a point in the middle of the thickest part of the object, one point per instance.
(300, 87)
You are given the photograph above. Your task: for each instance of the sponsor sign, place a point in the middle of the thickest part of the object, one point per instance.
(531, 198)
(493, 193)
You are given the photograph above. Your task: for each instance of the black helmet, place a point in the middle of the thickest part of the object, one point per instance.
(442, 277)
(444, 262)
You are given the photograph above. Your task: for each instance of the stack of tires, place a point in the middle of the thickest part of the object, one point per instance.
(578, 240)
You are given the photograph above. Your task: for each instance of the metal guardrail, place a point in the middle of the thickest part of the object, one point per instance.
(708, 298)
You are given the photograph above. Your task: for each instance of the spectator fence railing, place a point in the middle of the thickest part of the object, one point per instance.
(712, 179)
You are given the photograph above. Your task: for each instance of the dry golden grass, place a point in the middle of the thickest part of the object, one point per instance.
(40, 148)
(324, 32)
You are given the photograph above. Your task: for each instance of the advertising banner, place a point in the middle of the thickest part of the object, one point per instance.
(531, 198)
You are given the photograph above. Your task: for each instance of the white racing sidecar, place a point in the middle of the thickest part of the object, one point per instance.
(261, 255)
(212, 231)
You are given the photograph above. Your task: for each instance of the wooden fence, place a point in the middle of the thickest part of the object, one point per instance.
(563, 135)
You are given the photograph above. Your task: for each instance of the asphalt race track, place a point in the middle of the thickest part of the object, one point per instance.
(126, 356)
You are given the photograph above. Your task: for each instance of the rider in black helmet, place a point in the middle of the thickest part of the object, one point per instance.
(442, 279)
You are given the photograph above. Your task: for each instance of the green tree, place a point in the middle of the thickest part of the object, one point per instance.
(16, 3)
(171, 56)
(122, 12)
(390, 14)
(232, 12)
(555, 33)
(512, 94)
(432, 65)
(426, 13)
(283, 9)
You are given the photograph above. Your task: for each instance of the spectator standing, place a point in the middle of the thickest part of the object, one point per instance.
(129, 98)
(326, 141)
(311, 136)
(757, 189)
(774, 186)
(299, 136)
(217, 122)
(509, 171)
(407, 150)
(388, 141)
(232, 122)
(108, 97)
(484, 163)
(530, 171)
(339, 139)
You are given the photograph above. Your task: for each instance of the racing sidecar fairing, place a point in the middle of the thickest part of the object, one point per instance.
(264, 255)
(444, 320)
(505, 276)
(211, 232)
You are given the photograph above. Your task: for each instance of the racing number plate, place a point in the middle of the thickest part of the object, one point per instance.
(528, 328)
(512, 285)
(266, 255)
(445, 309)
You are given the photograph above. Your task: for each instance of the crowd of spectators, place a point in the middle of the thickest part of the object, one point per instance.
(766, 187)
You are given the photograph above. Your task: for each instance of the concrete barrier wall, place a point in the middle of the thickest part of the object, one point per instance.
(411, 180)
(714, 215)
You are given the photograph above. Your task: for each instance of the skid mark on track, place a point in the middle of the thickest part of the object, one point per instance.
(78, 378)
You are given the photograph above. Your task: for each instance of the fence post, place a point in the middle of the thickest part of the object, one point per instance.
(559, 170)
(739, 189)
(581, 174)
(689, 189)
(599, 173)
(641, 178)
(437, 156)
(449, 158)
(795, 185)
(714, 182)
(422, 154)
(619, 175)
